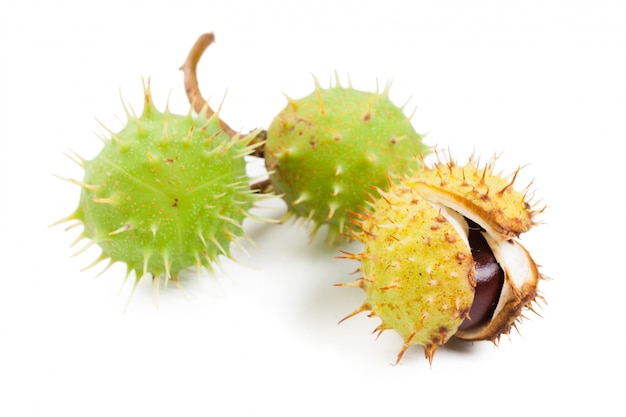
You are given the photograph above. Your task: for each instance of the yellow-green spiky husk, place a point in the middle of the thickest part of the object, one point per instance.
(417, 272)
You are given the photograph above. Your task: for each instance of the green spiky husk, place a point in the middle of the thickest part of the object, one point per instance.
(329, 150)
(166, 193)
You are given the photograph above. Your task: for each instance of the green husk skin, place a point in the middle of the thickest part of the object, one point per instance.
(329, 151)
(166, 193)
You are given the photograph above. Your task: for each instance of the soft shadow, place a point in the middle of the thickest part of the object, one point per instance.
(459, 346)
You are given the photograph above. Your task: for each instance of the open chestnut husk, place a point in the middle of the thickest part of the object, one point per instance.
(442, 257)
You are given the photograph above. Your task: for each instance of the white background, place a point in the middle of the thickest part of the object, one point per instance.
(542, 82)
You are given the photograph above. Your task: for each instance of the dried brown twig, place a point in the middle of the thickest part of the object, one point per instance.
(194, 96)
(192, 88)
(200, 105)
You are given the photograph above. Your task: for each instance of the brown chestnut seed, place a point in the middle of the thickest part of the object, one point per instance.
(488, 276)
(519, 291)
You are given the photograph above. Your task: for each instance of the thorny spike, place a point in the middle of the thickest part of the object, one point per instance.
(392, 286)
(510, 184)
(364, 307)
(332, 209)
(79, 238)
(81, 184)
(167, 264)
(380, 329)
(99, 259)
(353, 284)
(444, 333)
(464, 183)
(318, 93)
(236, 242)
(349, 255)
(146, 260)
(406, 103)
(190, 132)
(303, 197)
(336, 190)
(132, 291)
(166, 110)
(406, 345)
(106, 200)
(69, 218)
(357, 216)
(230, 220)
(349, 233)
(127, 112)
(356, 271)
(219, 246)
(106, 268)
(337, 80)
(87, 246)
(201, 236)
(429, 352)
(484, 175)
(147, 95)
(114, 137)
(199, 264)
(207, 258)
(528, 190)
(155, 290)
(387, 87)
(333, 132)
(373, 158)
(74, 157)
(290, 101)
(254, 217)
(412, 114)
(124, 228)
